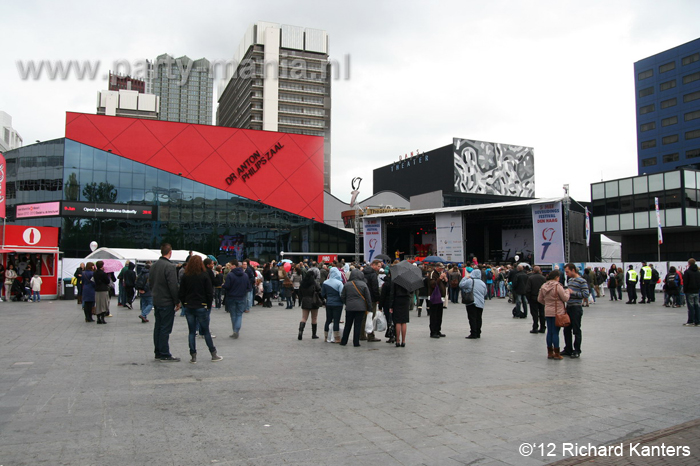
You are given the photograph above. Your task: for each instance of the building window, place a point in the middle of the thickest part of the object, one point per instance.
(648, 144)
(646, 91)
(647, 126)
(645, 74)
(670, 158)
(669, 121)
(691, 59)
(647, 109)
(691, 77)
(692, 115)
(649, 162)
(691, 154)
(667, 67)
(669, 103)
(692, 134)
(692, 96)
(669, 139)
(667, 85)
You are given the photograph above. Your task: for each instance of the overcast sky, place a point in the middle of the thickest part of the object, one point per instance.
(554, 75)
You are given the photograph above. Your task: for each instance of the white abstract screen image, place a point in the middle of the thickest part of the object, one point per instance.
(493, 168)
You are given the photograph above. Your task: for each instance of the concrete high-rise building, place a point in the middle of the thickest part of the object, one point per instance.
(185, 88)
(9, 138)
(667, 89)
(282, 82)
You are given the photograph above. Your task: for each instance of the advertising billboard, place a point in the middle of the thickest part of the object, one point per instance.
(492, 168)
(46, 209)
(373, 238)
(450, 241)
(278, 169)
(548, 228)
(96, 210)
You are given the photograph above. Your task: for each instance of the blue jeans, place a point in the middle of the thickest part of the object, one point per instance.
(249, 300)
(146, 305)
(275, 286)
(198, 318)
(36, 295)
(454, 295)
(236, 307)
(591, 292)
(552, 333)
(520, 298)
(693, 301)
(501, 289)
(165, 317)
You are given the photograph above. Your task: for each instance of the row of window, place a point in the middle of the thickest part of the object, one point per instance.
(669, 66)
(668, 158)
(670, 103)
(647, 91)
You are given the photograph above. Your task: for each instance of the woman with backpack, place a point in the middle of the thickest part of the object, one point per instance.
(672, 288)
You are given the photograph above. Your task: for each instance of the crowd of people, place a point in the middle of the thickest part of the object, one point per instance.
(362, 290)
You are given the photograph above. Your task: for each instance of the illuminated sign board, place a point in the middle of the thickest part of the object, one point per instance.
(46, 209)
(96, 210)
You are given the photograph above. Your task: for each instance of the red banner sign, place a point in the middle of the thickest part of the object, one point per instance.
(328, 258)
(2, 186)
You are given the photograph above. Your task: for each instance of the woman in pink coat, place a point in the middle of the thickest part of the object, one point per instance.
(554, 298)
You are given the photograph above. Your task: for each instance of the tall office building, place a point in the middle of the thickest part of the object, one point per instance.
(282, 82)
(9, 138)
(185, 88)
(667, 89)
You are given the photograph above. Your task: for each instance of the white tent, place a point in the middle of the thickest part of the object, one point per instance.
(138, 255)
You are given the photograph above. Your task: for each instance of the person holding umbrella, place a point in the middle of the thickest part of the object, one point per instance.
(405, 279)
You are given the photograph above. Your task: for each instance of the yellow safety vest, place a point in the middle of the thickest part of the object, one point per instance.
(632, 275)
(647, 272)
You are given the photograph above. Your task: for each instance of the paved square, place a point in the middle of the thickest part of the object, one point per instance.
(75, 393)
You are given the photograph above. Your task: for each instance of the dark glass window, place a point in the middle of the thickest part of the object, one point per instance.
(692, 115)
(667, 85)
(691, 97)
(626, 205)
(667, 67)
(649, 162)
(669, 103)
(690, 59)
(692, 134)
(669, 139)
(669, 121)
(689, 78)
(612, 206)
(646, 91)
(692, 198)
(647, 126)
(645, 74)
(672, 199)
(649, 144)
(112, 162)
(691, 154)
(646, 109)
(670, 158)
(598, 208)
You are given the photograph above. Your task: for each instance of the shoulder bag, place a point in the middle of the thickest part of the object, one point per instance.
(468, 296)
(560, 320)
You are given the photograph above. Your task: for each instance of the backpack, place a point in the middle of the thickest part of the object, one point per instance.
(671, 282)
(141, 281)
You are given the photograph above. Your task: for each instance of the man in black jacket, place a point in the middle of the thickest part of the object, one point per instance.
(534, 282)
(519, 290)
(164, 287)
(691, 288)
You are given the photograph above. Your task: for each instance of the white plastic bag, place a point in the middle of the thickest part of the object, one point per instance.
(369, 324)
(380, 322)
(330, 338)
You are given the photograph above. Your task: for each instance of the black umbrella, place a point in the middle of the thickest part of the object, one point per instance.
(383, 257)
(407, 276)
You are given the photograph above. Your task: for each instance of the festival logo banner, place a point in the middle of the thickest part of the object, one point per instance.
(548, 232)
(449, 238)
(373, 238)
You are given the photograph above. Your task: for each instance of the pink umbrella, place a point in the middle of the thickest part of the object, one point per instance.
(112, 265)
(253, 264)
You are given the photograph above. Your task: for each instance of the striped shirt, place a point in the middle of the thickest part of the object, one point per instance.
(578, 287)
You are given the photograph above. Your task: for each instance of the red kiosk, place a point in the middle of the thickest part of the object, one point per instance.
(37, 246)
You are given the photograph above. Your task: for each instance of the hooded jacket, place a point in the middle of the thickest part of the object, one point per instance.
(691, 280)
(534, 283)
(355, 293)
(237, 284)
(553, 296)
(332, 288)
(474, 281)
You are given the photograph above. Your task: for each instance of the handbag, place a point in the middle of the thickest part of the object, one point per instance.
(74, 281)
(560, 320)
(436, 296)
(468, 296)
(318, 300)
